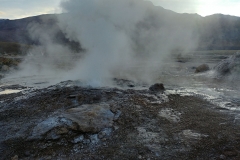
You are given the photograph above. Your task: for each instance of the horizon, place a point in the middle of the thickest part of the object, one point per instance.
(15, 10)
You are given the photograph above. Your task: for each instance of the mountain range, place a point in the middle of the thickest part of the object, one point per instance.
(215, 32)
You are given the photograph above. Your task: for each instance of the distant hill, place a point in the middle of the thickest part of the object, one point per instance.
(215, 32)
(219, 32)
(17, 31)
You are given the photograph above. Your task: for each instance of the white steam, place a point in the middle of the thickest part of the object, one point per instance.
(122, 39)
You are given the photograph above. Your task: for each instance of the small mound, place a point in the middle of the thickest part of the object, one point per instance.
(158, 87)
(202, 68)
(228, 67)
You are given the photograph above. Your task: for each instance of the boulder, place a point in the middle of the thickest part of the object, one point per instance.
(158, 87)
(85, 118)
(91, 118)
(202, 68)
(229, 65)
(43, 127)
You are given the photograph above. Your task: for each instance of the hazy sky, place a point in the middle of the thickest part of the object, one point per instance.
(202, 7)
(13, 9)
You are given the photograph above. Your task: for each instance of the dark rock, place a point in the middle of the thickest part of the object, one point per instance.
(131, 85)
(222, 156)
(202, 68)
(124, 82)
(27, 153)
(43, 127)
(157, 87)
(96, 97)
(86, 141)
(62, 131)
(15, 157)
(230, 153)
(91, 118)
(78, 139)
(117, 115)
(94, 138)
(52, 136)
(101, 135)
(48, 158)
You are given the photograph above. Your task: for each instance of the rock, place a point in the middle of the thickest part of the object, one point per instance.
(131, 85)
(170, 114)
(104, 133)
(222, 156)
(15, 157)
(145, 136)
(27, 153)
(74, 126)
(62, 131)
(5, 68)
(157, 87)
(91, 118)
(86, 141)
(94, 139)
(101, 135)
(48, 157)
(52, 136)
(230, 153)
(202, 68)
(69, 123)
(117, 115)
(43, 127)
(229, 65)
(124, 82)
(78, 139)
(96, 97)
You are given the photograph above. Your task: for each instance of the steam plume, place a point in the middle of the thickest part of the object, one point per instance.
(124, 39)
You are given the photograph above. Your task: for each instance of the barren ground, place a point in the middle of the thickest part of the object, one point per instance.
(138, 124)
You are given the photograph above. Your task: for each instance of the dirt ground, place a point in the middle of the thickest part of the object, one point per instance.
(138, 124)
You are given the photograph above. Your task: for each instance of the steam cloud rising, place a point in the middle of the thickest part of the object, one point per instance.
(122, 39)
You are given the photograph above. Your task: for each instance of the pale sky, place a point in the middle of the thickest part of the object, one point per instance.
(202, 7)
(13, 9)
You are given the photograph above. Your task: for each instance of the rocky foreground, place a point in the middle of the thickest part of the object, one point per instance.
(66, 121)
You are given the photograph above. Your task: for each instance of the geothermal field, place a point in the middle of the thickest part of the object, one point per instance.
(119, 80)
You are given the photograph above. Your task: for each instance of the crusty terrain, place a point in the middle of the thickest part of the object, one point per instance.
(111, 123)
